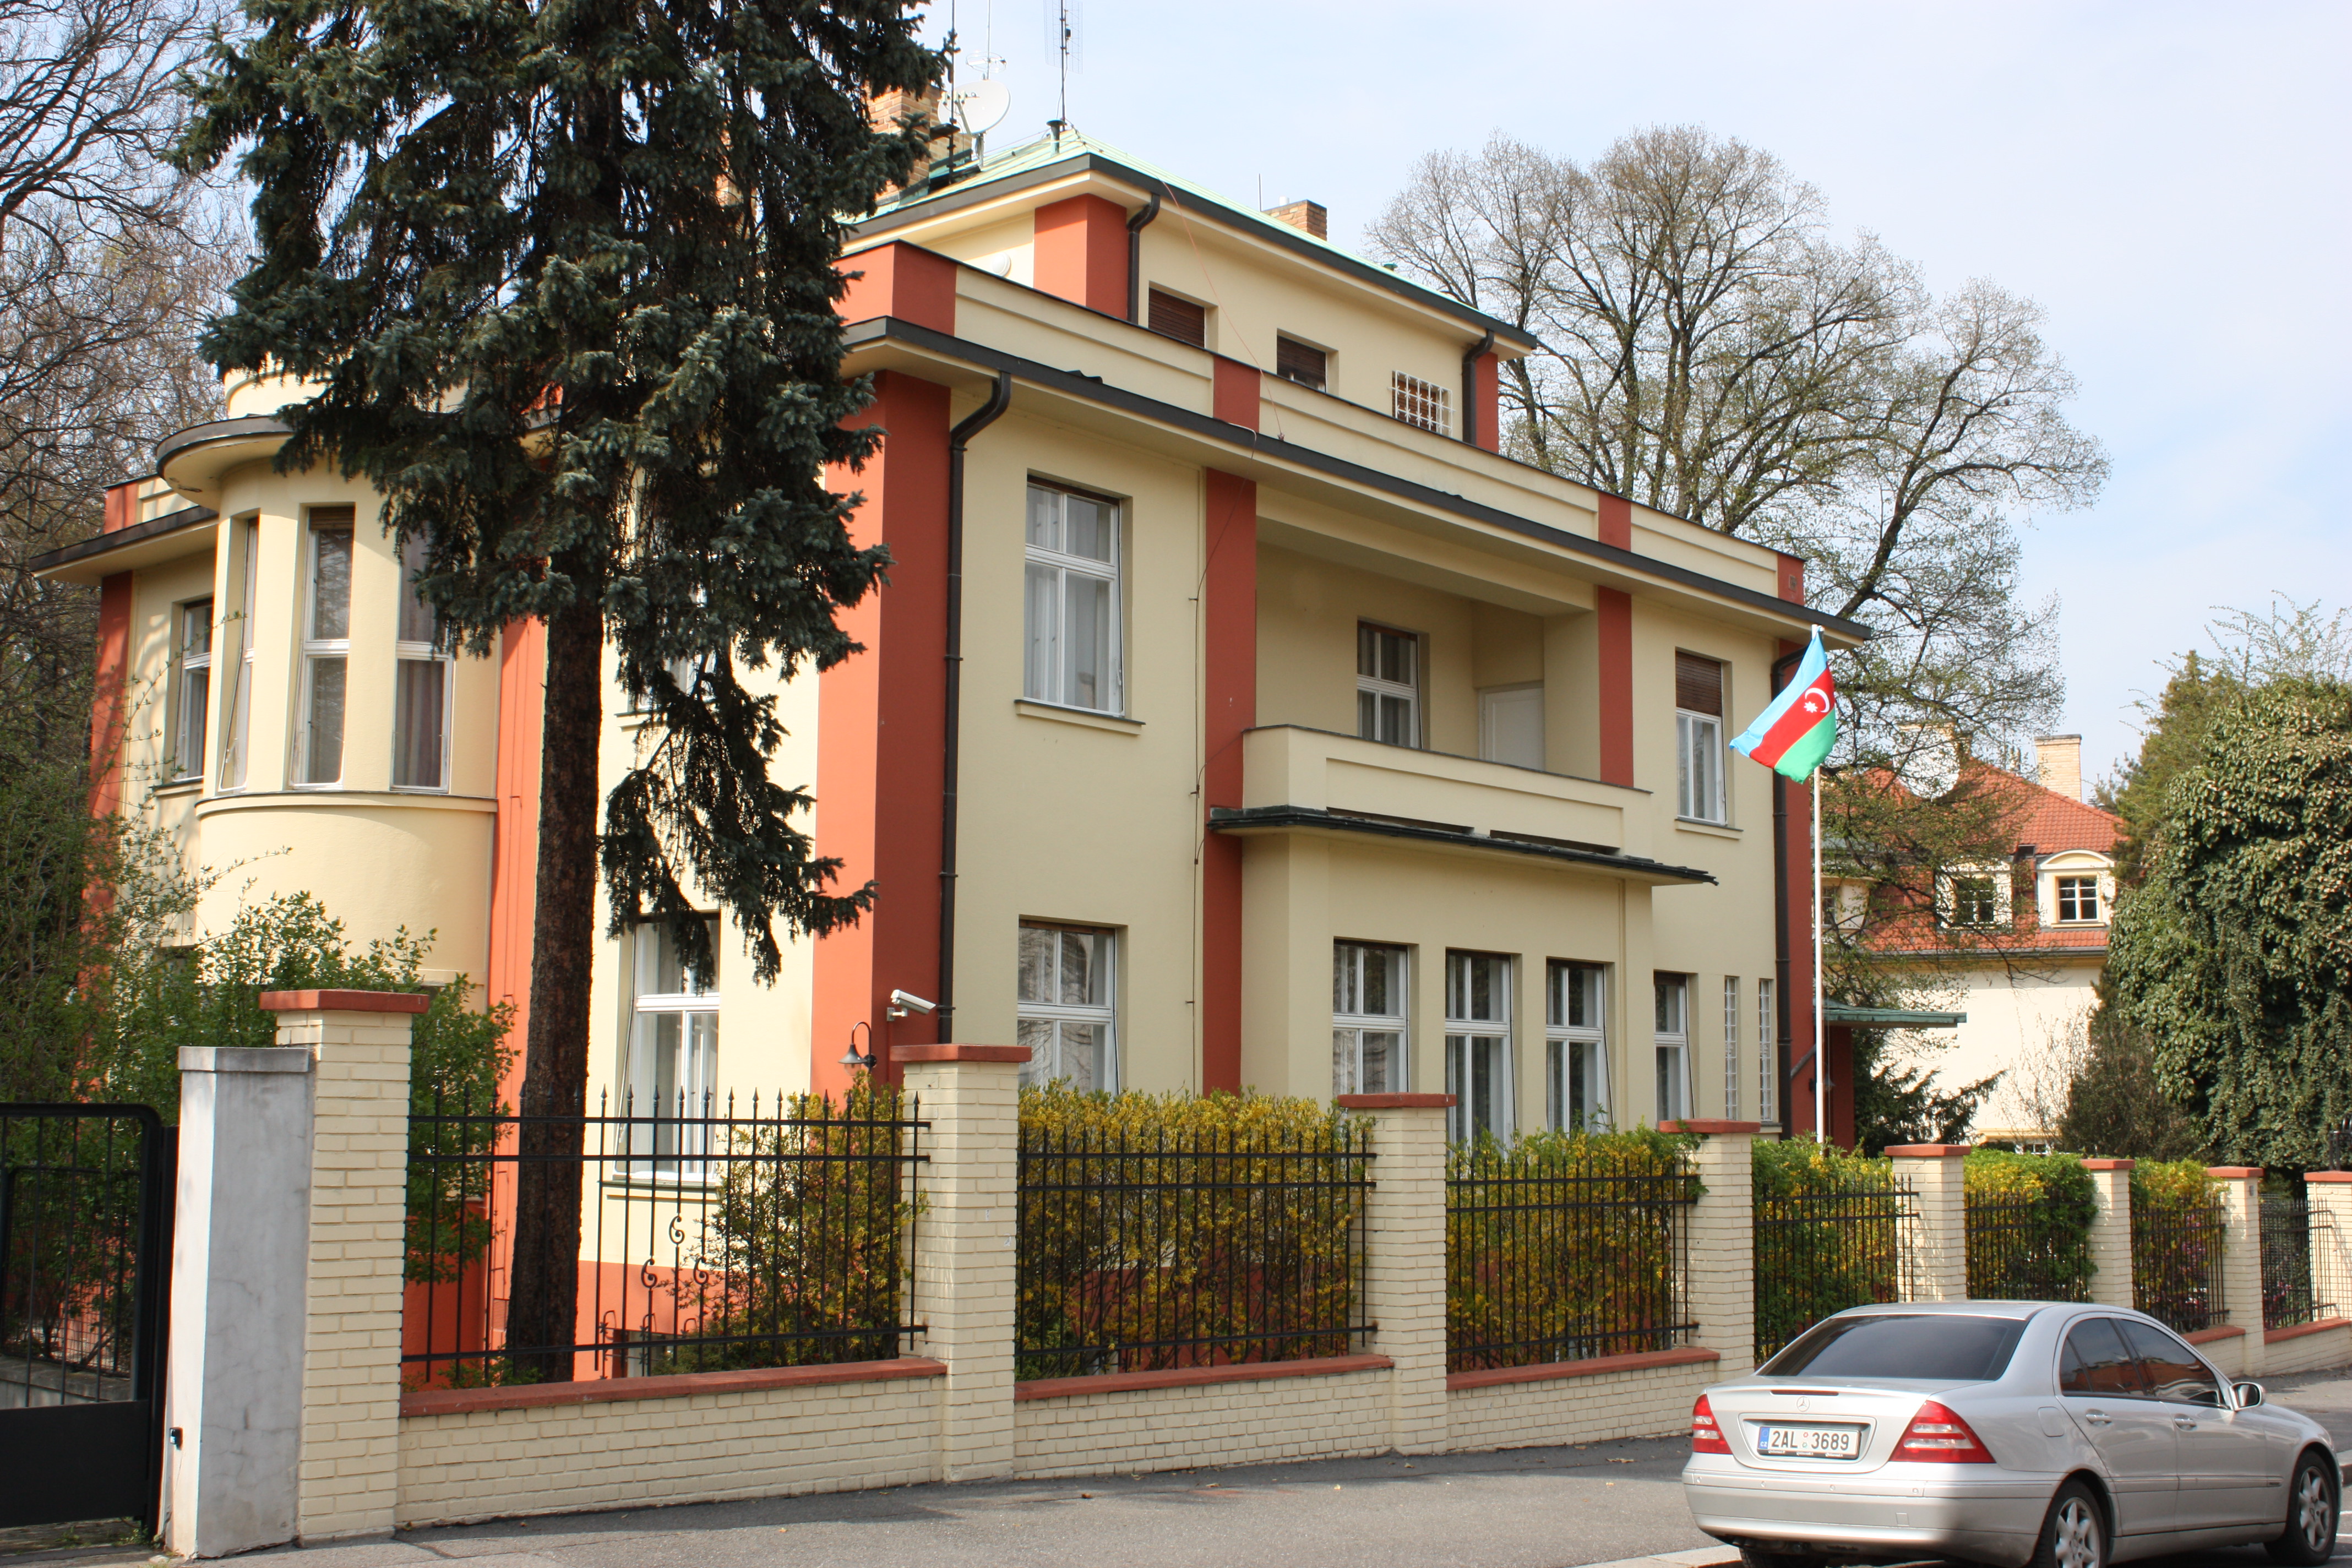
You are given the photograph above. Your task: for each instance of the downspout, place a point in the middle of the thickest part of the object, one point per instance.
(1470, 387)
(1136, 223)
(1000, 398)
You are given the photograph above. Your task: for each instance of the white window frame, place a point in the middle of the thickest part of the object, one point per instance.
(1731, 1031)
(192, 698)
(237, 705)
(318, 650)
(1350, 1027)
(1767, 1056)
(694, 1090)
(1563, 1040)
(435, 650)
(1064, 566)
(1423, 404)
(1948, 897)
(1699, 740)
(1470, 1036)
(1667, 1039)
(2098, 883)
(1103, 1014)
(1377, 686)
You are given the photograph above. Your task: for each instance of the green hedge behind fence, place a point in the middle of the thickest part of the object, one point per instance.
(2178, 1236)
(1828, 1233)
(2029, 1227)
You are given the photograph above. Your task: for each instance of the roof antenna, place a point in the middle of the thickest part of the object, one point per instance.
(1062, 23)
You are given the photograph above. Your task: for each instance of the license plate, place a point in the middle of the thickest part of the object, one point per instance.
(1777, 1442)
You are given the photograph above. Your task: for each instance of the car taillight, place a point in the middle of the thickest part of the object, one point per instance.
(1938, 1436)
(1706, 1437)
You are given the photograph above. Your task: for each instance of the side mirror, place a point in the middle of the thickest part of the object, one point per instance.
(2249, 1395)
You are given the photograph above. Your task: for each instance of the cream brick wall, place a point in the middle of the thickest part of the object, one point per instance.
(1936, 1237)
(2241, 1264)
(1651, 1401)
(2307, 1352)
(696, 1449)
(1247, 1422)
(1405, 1273)
(964, 1256)
(1722, 1280)
(2111, 1226)
(350, 1357)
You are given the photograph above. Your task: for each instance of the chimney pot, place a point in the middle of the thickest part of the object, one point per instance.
(2061, 758)
(1307, 216)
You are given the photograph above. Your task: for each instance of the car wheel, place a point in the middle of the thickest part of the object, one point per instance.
(2310, 1537)
(2074, 1530)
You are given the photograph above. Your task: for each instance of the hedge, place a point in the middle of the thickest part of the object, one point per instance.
(2029, 1225)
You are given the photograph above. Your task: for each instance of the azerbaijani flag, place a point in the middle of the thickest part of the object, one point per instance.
(1796, 731)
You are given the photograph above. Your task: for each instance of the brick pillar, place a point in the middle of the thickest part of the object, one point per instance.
(359, 1205)
(1936, 1237)
(964, 1243)
(2330, 1194)
(1405, 1273)
(1721, 1282)
(2111, 1227)
(2241, 1256)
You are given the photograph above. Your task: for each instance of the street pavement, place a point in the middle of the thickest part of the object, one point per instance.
(1601, 1503)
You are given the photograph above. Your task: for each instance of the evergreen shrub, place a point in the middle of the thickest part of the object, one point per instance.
(1827, 1235)
(2029, 1225)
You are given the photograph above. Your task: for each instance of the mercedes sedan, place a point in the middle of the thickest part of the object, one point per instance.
(2054, 1434)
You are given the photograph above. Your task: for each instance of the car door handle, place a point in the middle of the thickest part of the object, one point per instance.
(2182, 1424)
(2098, 1417)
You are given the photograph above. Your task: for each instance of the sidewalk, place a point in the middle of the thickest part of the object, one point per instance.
(1532, 1507)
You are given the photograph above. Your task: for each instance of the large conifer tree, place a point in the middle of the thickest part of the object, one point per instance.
(564, 272)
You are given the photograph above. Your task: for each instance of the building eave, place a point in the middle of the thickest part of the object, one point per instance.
(126, 549)
(1272, 819)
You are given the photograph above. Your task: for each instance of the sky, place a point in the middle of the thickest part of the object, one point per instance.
(2170, 182)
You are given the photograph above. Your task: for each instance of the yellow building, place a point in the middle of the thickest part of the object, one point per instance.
(1264, 725)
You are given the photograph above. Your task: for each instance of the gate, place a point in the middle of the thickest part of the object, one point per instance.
(85, 1271)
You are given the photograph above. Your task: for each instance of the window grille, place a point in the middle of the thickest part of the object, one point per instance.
(1422, 403)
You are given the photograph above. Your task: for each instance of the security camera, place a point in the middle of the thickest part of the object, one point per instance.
(905, 1002)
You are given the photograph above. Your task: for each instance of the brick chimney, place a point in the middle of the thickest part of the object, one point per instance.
(885, 109)
(2060, 757)
(1308, 216)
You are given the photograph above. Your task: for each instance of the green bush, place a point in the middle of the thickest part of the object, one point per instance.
(1827, 1235)
(1563, 1245)
(2176, 1243)
(2029, 1225)
(1168, 1230)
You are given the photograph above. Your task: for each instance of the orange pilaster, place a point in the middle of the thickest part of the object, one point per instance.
(514, 862)
(110, 700)
(1486, 394)
(1080, 253)
(1613, 611)
(902, 281)
(1229, 613)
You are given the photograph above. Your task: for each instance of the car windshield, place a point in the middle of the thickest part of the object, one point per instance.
(1946, 1346)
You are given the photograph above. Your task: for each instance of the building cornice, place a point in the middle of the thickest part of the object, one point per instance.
(1310, 819)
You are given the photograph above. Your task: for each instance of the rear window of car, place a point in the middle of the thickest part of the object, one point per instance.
(1951, 1346)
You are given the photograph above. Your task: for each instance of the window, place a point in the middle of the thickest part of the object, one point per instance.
(1294, 361)
(1767, 1056)
(1951, 1346)
(1067, 1007)
(195, 677)
(673, 1057)
(326, 646)
(1975, 902)
(1511, 725)
(2078, 897)
(1180, 318)
(235, 742)
(1478, 1045)
(2168, 1367)
(1698, 738)
(2096, 1364)
(1073, 590)
(420, 693)
(1368, 1018)
(1731, 1047)
(1576, 1058)
(1388, 685)
(1673, 1047)
(1422, 403)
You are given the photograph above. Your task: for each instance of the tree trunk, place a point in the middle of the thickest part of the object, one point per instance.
(542, 1308)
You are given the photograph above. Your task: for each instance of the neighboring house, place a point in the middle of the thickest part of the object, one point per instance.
(2025, 971)
(1305, 742)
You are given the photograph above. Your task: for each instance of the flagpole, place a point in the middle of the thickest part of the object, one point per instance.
(1821, 1075)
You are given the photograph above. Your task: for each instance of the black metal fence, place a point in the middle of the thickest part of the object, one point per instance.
(2020, 1251)
(712, 1236)
(1822, 1250)
(1558, 1250)
(2302, 1267)
(1145, 1247)
(2176, 1262)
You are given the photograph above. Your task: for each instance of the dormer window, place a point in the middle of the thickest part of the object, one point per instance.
(2078, 899)
(1294, 361)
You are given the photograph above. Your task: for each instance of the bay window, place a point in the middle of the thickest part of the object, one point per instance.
(422, 675)
(326, 646)
(236, 740)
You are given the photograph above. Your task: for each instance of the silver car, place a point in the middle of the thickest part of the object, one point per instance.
(2049, 1433)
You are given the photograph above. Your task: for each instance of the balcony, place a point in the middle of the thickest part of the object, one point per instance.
(1296, 780)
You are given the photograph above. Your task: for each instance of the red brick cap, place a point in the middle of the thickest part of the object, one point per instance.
(2109, 1165)
(2234, 1173)
(1710, 1124)
(1929, 1151)
(344, 1002)
(1393, 1101)
(956, 1053)
(2327, 1175)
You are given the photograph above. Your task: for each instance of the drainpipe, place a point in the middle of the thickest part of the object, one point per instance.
(1470, 387)
(1136, 223)
(999, 399)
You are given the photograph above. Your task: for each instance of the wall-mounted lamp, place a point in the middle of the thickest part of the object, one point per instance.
(853, 1058)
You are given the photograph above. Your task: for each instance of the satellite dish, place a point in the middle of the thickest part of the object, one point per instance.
(980, 108)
